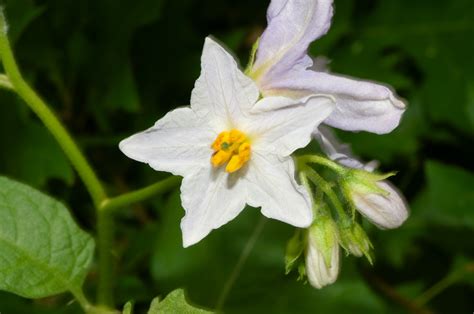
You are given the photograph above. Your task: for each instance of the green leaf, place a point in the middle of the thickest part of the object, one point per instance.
(43, 251)
(451, 196)
(175, 302)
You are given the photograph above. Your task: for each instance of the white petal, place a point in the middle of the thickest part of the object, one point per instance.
(178, 143)
(386, 212)
(222, 92)
(283, 130)
(211, 198)
(360, 105)
(319, 275)
(292, 26)
(271, 185)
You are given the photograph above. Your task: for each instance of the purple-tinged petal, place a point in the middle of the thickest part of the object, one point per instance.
(292, 26)
(360, 105)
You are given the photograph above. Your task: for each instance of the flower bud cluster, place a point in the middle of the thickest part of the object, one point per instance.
(315, 251)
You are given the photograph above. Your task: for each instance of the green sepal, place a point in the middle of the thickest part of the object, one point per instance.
(364, 182)
(354, 240)
(253, 53)
(324, 234)
(302, 272)
(294, 249)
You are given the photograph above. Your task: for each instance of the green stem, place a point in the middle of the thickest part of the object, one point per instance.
(304, 181)
(105, 239)
(82, 300)
(240, 263)
(392, 294)
(139, 195)
(324, 185)
(72, 151)
(48, 118)
(5, 82)
(105, 224)
(315, 159)
(436, 289)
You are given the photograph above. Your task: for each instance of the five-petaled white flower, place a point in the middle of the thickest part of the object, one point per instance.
(282, 67)
(231, 148)
(388, 209)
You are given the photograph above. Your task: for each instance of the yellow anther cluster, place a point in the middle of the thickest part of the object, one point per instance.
(231, 147)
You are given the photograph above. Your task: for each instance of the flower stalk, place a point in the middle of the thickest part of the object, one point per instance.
(124, 200)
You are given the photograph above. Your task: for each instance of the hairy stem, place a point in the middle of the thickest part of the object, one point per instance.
(304, 181)
(48, 118)
(326, 188)
(13, 80)
(315, 159)
(70, 148)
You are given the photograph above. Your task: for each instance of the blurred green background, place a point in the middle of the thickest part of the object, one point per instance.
(111, 68)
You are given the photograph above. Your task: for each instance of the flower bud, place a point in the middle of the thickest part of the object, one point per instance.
(354, 240)
(322, 253)
(375, 198)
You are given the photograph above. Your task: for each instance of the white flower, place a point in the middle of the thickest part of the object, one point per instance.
(378, 200)
(230, 149)
(322, 253)
(282, 67)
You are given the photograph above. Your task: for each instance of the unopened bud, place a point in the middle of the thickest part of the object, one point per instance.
(322, 252)
(375, 198)
(355, 241)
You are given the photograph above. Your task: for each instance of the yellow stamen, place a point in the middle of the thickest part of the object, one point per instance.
(220, 157)
(231, 147)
